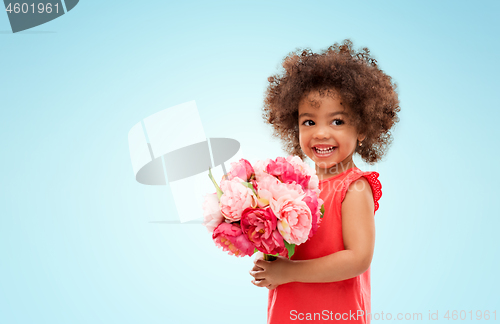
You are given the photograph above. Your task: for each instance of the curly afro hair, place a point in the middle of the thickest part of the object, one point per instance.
(368, 91)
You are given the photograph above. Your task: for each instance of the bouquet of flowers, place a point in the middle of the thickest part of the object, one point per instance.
(269, 207)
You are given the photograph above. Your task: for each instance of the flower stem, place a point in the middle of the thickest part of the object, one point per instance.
(217, 188)
(269, 257)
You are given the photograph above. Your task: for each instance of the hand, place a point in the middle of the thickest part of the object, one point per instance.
(257, 282)
(270, 274)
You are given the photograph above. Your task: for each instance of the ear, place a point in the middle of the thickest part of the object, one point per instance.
(361, 137)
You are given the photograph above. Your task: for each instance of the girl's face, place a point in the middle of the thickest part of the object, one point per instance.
(324, 123)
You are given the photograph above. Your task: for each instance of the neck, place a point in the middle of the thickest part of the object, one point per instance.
(325, 173)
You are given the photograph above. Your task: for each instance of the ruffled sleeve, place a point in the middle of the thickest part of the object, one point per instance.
(372, 178)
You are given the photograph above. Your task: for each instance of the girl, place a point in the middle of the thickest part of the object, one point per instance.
(327, 107)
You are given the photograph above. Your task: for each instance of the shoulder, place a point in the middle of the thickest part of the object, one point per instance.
(361, 185)
(359, 192)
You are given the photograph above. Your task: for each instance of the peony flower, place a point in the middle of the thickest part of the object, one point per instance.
(264, 197)
(286, 172)
(295, 219)
(260, 167)
(284, 253)
(260, 227)
(235, 199)
(281, 206)
(241, 169)
(304, 168)
(281, 190)
(264, 193)
(274, 192)
(211, 212)
(314, 203)
(231, 238)
(255, 184)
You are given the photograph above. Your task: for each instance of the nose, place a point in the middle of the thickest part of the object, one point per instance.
(321, 132)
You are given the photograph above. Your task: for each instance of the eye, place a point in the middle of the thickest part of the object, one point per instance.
(304, 123)
(338, 120)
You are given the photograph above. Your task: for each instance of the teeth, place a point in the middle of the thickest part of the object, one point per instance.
(323, 151)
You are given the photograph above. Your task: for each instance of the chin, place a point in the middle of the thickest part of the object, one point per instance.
(324, 164)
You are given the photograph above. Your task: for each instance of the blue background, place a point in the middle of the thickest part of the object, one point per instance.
(82, 242)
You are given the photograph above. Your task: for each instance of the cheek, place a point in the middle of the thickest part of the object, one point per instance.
(302, 140)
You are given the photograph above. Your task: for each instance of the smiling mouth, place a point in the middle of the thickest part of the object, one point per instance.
(324, 151)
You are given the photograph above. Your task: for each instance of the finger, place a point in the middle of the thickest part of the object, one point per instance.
(259, 255)
(257, 268)
(260, 283)
(257, 274)
(257, 259)
(261, 263)
(255, 283)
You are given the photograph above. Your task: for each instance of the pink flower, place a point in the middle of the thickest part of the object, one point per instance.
(295, 219)
(285, 171)
(284, 253)
(278, 188)
(264, 194)
(211, 212)
(235, 199)
(241, 169)
(231, 238)
(259, 167)
(264, 197)
(270, 189)
(303, 168)
(260, 227)
(255, 184)
(314, 203)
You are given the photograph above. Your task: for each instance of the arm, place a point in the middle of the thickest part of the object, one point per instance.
(358, 230)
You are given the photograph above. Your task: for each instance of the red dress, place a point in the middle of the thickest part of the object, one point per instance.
(344, 300)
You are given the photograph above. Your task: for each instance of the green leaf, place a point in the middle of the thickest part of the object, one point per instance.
(219, 191)
(290, 248)
(249, 185)
(255, 250)
(322, 210)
